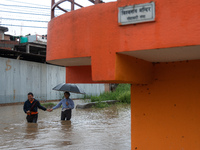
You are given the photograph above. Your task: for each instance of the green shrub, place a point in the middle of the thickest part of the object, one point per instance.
(123, 88)
(115, 95)
(125, 97)
(94, 98)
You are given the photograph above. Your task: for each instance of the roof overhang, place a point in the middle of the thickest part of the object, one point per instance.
(4, 29)
(78, 61)
(167, 54)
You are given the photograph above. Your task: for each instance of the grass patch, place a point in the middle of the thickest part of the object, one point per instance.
(122, 93)
(48, 105)
(86, 96)
(101, 105)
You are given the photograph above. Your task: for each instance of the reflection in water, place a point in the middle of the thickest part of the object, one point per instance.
(31, 131)
(89, 129)
(66, 124)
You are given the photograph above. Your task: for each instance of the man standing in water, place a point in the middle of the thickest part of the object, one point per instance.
(67, 106)
(30, 108)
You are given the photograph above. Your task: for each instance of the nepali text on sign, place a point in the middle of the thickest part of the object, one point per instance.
(136, 13)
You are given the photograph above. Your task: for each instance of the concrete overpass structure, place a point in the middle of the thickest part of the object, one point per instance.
(161, 60)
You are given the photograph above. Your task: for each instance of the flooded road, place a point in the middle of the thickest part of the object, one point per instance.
(89, 129)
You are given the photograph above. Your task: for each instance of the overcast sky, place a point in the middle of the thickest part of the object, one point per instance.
(24, 17)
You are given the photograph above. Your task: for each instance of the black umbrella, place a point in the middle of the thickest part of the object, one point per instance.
(69, 88)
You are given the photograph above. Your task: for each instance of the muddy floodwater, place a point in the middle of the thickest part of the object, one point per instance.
(89, 129)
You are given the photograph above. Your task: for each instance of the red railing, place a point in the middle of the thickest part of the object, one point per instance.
(73, 3)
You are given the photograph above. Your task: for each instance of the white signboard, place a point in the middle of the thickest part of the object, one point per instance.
(136, 13)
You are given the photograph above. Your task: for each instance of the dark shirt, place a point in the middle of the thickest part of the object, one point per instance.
(28, 105)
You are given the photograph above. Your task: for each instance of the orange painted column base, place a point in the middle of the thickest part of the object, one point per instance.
(165, 114)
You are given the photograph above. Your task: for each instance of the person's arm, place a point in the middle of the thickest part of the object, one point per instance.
(25, 107)
(40, 106)
(58, 105)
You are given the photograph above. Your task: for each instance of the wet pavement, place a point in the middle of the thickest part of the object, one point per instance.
(89, 129)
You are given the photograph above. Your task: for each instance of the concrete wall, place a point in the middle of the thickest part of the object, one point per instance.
(90, 89)
(18, 77)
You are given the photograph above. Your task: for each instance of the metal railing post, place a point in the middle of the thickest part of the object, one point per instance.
(72, 4)
(97, 1)
(52, 10)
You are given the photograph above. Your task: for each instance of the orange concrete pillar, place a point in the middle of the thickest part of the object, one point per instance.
(165, 114)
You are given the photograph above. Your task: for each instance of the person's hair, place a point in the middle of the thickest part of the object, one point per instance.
(30, 93)
(67, 93)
